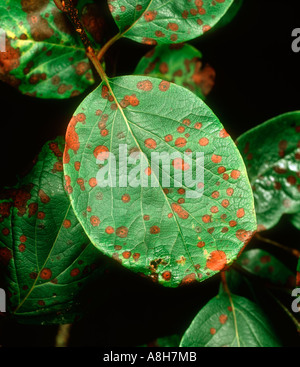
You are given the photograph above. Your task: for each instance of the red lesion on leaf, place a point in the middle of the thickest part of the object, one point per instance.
(95, 221)
(216, 158)
(67, 223)
(173, 27)
(53, 146)
(22, 247)
(5, 209)
(180, 164)
(150, 143)
(159, 34)
(223, 134)
(126, 254)
(39, 27)
(5, 256)
(46, 274)
(188, 279)
(19, 197)
(68, 186)
(72, 139)
(109, 230)
(101, 152)
(182, 213)
(150, 15)
(244, 236)
(216, 261)
(136, 256)
(166, 275)
(154, 230)
(32, 209)
(29, 6)
(149, 41)
(145, 85)
(164, 86)
(212, 331)
(43, 196)
(122, 232)
(81, 67)
(223, 318)
(180, 142)
(203, 142)
(74, 272)
(235, 174)
(126, 198)
(9, 60)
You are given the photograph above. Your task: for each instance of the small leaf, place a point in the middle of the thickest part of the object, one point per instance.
(266, 266)
(271, 152)
(180, 64)
(239, 323)
(161, 22)
(44, 56)
(167, 341)
(44, 253)
(148, 218)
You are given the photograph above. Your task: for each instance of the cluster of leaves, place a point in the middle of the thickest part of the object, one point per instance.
(58, 221)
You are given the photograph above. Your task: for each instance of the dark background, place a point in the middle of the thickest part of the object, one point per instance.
(258, 77)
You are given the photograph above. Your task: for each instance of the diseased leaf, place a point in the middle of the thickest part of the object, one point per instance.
(167, 341)
(271, 152)
(162, 21)
(266, 266)
(44, 253)
(180, 64)
(239, 323)
(151, 218)
(44, 55)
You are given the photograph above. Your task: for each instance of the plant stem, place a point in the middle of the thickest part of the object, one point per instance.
(108, 45)
(63, 335)
(67, 7)
(292, 251)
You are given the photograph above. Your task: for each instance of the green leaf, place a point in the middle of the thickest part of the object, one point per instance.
(44, 253)
(166, 230)
(266, 266)
(232, 323)
(298, 274)
(180, 64)
(161, 21)
(44, 56)
(271, 152)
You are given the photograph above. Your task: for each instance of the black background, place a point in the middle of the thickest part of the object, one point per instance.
(258, 77)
